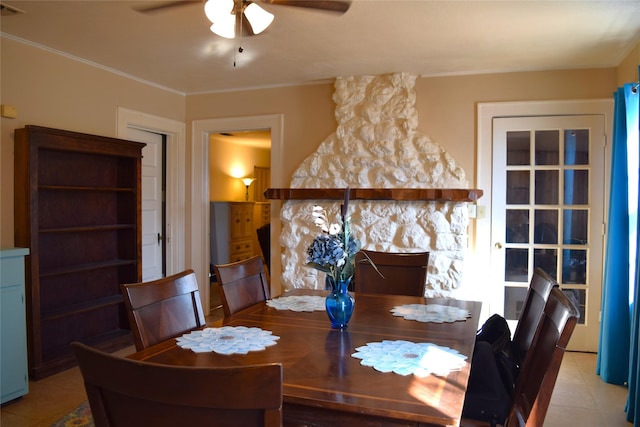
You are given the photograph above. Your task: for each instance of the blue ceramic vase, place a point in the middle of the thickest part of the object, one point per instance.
(339, 303)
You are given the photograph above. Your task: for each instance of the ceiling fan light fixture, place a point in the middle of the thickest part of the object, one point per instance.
(218, 9)
(220, 13)
(259, 18)
(226, 29)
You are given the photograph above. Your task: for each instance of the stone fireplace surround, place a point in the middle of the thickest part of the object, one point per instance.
(377, 146)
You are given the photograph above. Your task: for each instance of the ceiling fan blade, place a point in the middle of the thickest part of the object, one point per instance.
(340, 6)
(158, 6)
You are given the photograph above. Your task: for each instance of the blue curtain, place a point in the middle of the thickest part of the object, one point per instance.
(632, 102)
(613, 349)
(618, 361)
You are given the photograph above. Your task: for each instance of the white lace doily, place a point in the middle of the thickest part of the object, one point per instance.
(405, 357)
(431, 313)
(227, 340)
(299, 303)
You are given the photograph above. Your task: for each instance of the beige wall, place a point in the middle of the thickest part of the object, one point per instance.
(51, 90)
(228, 162)
(308, 114)
(54, 91)
(628, 67)
(446, 107)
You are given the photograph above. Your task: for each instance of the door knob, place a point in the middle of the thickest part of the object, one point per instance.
(498, 245)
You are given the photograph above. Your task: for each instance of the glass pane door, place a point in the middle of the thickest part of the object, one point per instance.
(548, 208)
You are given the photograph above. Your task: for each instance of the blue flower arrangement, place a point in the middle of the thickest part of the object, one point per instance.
(334, 250)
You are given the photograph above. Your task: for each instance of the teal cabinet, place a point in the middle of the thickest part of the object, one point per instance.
(13, 329)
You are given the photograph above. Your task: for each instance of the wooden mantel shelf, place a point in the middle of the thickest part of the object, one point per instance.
(399, 194)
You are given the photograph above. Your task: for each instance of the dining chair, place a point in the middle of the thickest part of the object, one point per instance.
(542, 363)
(398, 273)
(264, 240)
(533, 306)
(493, 376)
(242, 284)
(123, 392)
(163, 308)
(539, 372)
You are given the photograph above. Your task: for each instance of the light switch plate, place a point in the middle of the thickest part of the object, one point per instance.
(8, 111)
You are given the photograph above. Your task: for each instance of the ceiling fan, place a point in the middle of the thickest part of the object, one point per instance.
(245, 17)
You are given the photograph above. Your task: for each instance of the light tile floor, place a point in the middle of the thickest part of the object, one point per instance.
(580, 398)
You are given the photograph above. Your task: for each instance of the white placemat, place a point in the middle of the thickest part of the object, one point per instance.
(298, 303)
(227, 340)
(435, 313)
(405, 357)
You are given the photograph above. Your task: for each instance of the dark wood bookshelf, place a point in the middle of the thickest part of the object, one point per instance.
(78, 210)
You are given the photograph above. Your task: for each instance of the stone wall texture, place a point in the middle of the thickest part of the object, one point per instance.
(377, 145)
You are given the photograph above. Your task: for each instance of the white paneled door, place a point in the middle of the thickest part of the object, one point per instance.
(548, 212)
(152, 203)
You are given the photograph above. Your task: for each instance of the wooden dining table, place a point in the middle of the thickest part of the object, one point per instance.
(324, 385)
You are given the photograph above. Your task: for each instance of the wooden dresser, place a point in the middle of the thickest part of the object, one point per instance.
(233, 230)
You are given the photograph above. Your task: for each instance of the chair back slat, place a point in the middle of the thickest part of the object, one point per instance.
(400, 273)
(123, 393)
(163, 308)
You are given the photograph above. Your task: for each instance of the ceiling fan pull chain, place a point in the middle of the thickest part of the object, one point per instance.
(237, 49)
(234, 53)
(240, 49)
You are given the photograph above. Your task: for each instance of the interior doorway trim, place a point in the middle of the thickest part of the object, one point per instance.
(175, 197)
(486, 112)
(201, 129)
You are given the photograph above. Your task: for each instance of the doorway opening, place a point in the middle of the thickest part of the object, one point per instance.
(200, 196)
(239, 173)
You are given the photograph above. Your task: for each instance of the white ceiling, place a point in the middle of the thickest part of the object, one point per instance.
(174, 48)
